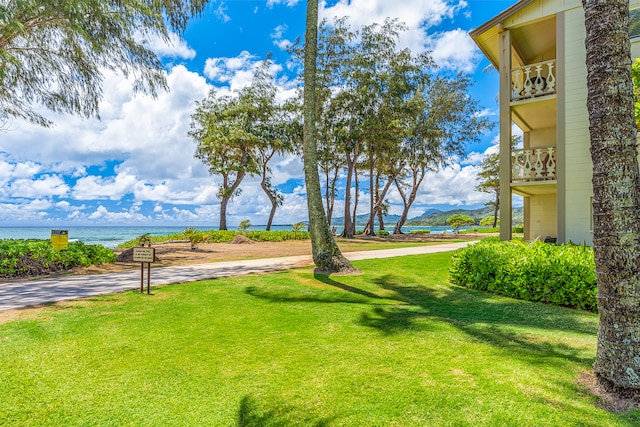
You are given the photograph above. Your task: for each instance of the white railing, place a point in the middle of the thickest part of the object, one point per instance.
(533, 164)
(533, 80)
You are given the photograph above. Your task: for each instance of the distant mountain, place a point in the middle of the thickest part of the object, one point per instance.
(362, 220)
(435, 217)
(439, 218)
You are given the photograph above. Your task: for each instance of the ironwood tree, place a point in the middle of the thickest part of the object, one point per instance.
(55, 52)
(616, 191)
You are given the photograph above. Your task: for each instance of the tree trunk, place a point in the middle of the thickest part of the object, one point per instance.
(616, 191)
(346, 232)
(369, 229)
(356, 195)
(330, 193)
(273, 199)
(377, 209)
(268, 189)
(496, 208)
(227, 194)
(408, 201)
(326, 254)
(223, 213)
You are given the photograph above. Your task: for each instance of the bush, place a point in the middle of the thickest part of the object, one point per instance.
(556, 274)
(226, 236)
(481, 230)
(382, 233)
(420, 232)
(23, 258)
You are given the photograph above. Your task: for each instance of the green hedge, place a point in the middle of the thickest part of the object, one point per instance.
(226, 236)
(22, 258)
(555, 274)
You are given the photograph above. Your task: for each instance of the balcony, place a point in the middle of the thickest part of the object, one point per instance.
(533, 165)
(533, 80)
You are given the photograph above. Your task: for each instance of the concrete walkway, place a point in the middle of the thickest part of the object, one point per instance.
(33, 292)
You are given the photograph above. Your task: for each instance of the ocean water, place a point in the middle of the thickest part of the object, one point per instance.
(112, 236)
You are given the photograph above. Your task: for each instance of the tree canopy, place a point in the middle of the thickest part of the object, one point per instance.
(55, 52)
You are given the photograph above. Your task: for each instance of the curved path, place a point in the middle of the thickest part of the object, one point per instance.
(34, 292)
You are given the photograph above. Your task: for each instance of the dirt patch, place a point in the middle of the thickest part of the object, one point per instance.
(180, 253)
(611, 397)
(241, 240)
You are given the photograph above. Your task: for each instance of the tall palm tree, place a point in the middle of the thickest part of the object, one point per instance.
(616, 190)
(326, 254)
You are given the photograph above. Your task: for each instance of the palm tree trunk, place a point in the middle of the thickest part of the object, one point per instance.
(616, 191)
(326, 254)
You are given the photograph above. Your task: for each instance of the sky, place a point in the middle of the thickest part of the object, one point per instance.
(135, 165)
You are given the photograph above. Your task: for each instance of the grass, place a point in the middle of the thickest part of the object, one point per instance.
(395, 346)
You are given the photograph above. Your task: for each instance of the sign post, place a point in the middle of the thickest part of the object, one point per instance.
(144, 256)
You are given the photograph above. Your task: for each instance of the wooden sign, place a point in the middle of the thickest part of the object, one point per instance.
(144, 254)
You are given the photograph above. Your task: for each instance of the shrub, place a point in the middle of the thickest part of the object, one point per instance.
(245, 224)
(458, 220)
(382, 233)
(482, 230)
(556, 274)
(488, 221)
(21, 258)
(226, 236)
(420, 232)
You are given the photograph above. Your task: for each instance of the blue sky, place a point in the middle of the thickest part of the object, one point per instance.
(135, 166)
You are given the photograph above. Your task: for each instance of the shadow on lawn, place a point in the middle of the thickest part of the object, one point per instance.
(478, 314)
(251, 415)
(407, 303)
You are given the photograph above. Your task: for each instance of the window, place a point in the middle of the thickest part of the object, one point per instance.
(634, 23)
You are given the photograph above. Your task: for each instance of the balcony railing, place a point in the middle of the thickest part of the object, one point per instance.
(533, 80)
(533, 164)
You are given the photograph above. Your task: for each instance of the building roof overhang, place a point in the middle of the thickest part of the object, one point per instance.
(486, 35)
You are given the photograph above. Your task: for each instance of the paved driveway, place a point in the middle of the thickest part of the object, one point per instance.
(33, 292)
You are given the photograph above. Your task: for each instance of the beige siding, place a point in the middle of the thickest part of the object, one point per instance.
(543, 222)
(577, 160)
(542, 137)
(541, 9)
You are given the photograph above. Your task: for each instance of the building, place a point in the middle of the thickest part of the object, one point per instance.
(538, 48)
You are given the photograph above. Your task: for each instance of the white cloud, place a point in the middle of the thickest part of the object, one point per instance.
(126, 216)
(454, 50)
(288, 3)
(420, 16)
(236, 72)
(174, 47)
(44, 186)
(278, 40)
(97, 188)
(221, 12)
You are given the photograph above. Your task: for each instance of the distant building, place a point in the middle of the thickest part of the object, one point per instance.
(538, 48)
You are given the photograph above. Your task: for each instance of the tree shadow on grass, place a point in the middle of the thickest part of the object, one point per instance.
(480, 315)
(406, 303)
(251, 415)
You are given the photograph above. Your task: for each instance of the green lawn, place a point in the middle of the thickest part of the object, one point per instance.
(396, 346)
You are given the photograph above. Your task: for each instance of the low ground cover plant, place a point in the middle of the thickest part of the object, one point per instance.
(22, 258)
(556, 274)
